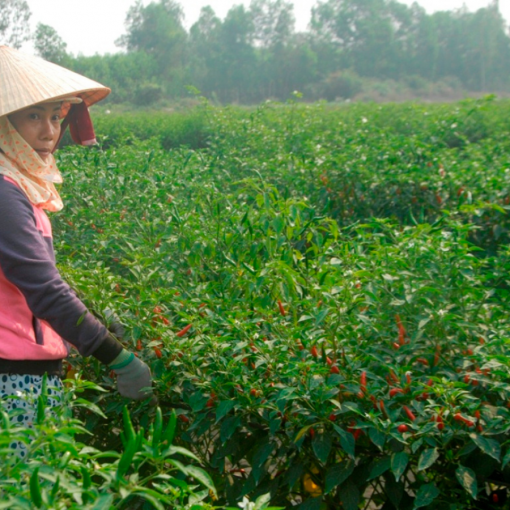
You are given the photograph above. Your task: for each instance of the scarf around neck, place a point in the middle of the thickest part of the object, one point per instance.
(23, 165)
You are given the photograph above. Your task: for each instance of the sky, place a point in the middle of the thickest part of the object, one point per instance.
(93, 26)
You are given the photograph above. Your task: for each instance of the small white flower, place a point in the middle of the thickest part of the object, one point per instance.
(246, 504)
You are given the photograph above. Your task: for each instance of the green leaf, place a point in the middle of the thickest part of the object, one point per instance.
(506, 459)
(179, 450)
(259, 458)
(425, 495)
(262, 501)
(294, 473)
(103, 501)
(377, 437)
(337, 474)
(201, 476)
(346, 441)
(158, 428)
(399, 463)
(126, 458)
(467, 479)
(349, 495)
(35, 489)
(224, 407)
(489, 446)
(379, 467)
(427, 458)
(128, 424)
(394, 489)
(321, 445)
(311, 504)
(168, 435)
(228, 427)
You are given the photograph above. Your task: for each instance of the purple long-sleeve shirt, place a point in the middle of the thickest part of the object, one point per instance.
(38, 310)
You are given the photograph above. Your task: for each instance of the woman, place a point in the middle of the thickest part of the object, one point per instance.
(39, 313)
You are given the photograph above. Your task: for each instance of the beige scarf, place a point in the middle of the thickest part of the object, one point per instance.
(24, 166)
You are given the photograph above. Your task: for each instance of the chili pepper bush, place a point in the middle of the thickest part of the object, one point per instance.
(322, 295)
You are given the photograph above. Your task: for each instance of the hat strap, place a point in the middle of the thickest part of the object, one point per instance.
(80, 126)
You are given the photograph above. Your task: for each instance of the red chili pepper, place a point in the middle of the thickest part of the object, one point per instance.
(436, 355)
(157, 309)
(467, 378)
(393, 375)
(329, 361)
(334, 370)
(363, 381)
(461, 418)
(408, 378)
(396, 346)
(409, 413)
(314, 352)
(402, 428)
(430, 383)
(312, 433)
(158, 352)
(395, 391)
(332, 417)
(184, 330)
(282, 310)
(184, 418)
(139, 345)
(423, 361)
(399, 322)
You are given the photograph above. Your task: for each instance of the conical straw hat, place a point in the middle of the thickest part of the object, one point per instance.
(26, 80)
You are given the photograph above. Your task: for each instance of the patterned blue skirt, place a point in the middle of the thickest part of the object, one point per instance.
(18, 396)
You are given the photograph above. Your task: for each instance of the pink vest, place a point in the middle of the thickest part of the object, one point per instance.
(17, 323)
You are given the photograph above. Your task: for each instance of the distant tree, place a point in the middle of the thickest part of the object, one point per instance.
(49, 45)
(129, 75)
(238, 60)
(206, 55)
(362, 30)
(273, 22)
(157, 30)
(14, 17)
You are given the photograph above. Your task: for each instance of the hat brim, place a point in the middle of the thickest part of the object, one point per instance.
(26, 80)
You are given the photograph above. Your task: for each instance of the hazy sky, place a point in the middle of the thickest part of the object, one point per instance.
(93, 26)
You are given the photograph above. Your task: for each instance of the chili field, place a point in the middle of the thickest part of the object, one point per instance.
(322, 295)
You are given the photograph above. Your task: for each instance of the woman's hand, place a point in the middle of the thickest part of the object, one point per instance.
(133, 376)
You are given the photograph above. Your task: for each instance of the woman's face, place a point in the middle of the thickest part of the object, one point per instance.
(39, 125)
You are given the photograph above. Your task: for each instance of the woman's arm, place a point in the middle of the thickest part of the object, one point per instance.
(27, 261)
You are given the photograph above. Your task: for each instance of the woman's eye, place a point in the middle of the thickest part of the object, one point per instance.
(34, 116)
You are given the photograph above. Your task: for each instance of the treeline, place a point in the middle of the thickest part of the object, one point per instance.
(255, 53)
